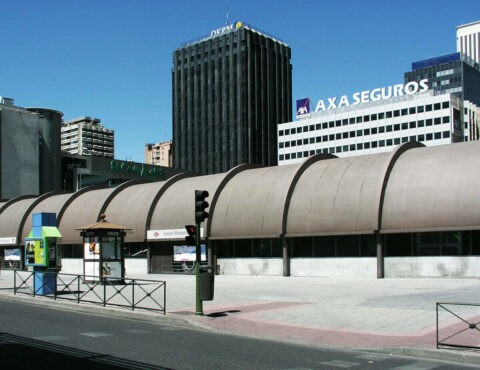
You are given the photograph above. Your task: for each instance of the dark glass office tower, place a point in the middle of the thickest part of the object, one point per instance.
(456, 74)
(229, 92)
(453, 73)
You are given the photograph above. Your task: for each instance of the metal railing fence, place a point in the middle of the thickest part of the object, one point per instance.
(458, 325)
(128, 293)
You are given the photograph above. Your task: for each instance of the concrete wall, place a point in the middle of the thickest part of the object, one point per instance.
(433, 267)
(250, 266)
(360, 267)
(72, 266)
(133, 266)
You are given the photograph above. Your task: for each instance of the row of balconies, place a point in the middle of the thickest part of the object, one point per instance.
(96, 129)
(98, 153)
(85, 133)
(96, 134)
(86, 128)
(69, 128)
(97, 140)
(67, 141)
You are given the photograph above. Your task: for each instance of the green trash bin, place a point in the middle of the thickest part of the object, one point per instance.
(207, 282)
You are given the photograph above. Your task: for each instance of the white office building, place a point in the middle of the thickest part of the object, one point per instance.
(468, 40)
(86, 136)
(373, 126)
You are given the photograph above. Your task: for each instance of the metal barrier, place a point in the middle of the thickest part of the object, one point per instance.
(458, 325)
(130, 293)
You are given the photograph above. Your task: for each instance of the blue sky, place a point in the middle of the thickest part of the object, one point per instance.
(112, 59)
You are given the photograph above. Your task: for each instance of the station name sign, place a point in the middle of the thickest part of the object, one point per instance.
(377, 94)
(169, 234)
(10, 240)
(225, 29)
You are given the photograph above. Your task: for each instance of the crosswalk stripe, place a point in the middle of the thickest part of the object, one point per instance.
(417, 366)
(50, 338)
(373, 357)
(137, 331)
(339, 363)
(95, 334)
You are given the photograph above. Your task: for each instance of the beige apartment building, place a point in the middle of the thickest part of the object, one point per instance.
(159, 154)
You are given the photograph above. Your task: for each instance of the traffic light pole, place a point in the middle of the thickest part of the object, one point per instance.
(198, 301)
(200, 216)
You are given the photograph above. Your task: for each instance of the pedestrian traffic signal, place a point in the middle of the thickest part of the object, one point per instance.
(200, 205)
(191, 238)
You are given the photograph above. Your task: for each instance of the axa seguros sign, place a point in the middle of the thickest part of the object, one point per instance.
(381, 93)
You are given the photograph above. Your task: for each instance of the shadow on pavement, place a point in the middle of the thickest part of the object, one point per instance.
(23, 353)
(222, 313)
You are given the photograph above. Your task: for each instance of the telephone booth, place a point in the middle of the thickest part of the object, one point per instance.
(103, 255)
(41, 252)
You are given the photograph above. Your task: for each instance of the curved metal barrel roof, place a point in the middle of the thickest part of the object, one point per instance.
(130, 207)
(434, 188)
(337, 196)
(176, 207)
(252, 203)
(83, 210)
(11, 217)
(407, 190)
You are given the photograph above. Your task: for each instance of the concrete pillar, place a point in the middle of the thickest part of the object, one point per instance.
(149, 260)
(286, 258)
(380, 258)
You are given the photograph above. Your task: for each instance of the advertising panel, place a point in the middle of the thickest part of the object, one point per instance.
(40, 255)
(35, 252)
(112, 269)
(91, 248)
(12, 254)
(188, 253)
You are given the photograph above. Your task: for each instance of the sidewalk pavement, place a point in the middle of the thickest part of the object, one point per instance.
(394, 316)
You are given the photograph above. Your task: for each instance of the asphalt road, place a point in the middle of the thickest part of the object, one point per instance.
(35, 337)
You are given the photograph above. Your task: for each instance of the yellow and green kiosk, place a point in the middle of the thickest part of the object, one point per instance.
(42, 253)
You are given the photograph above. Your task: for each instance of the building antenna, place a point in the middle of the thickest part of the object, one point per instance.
(226, 9)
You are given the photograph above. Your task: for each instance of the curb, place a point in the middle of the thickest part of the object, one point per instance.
(93, 309)
(452, 355)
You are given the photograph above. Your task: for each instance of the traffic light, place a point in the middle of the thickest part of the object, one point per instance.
(191, 238)
(200, 205)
